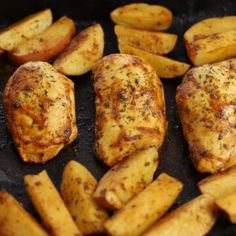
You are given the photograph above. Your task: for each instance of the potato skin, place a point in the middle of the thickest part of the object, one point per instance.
(126, 120)
(39, 107)
(143, 16)
(44, 46)
(15, 221)
(77, 188)
(82, 53)
(145, 208)
(126, 179)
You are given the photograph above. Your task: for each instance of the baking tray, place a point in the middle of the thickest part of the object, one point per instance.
(174, 155)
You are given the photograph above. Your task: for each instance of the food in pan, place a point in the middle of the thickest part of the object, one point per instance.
(143, 16)
(46, 45)
(165, 67)
(25, 29)
(130, 107)
(230, 64)
(205, 101)
(150, 41)
(77, 188)
(82, 53)
(145, 208)
(50, 206)
(39, 107)
(195, 217)
(15, 221)
(219, 185)
(126, 179)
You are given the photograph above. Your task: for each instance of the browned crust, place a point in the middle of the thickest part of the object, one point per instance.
(1, 51)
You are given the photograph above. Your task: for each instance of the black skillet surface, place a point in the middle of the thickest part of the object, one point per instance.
(174, 157)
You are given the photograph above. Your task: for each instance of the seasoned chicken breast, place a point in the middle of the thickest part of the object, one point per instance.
(206, 100)
(130, 107)
(39, 107)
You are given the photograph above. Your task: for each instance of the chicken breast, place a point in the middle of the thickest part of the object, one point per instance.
(39, 107)
(130, 107)
(206, 100)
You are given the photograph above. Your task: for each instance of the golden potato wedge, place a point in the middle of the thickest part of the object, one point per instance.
(230, 64)
(165, 67)
(194, 218)
(210, 26)
(50, 206)
(213, 48)
(77, 188)
(150, 41)
(145, 208)
(82, 53)
(228, 205)
(126, 179)
(25, 29)
(46, 45)
(143, 16)
(219, 185)
(15, 221)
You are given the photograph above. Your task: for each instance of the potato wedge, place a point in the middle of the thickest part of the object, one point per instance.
(15, 221)
(230, 64)
(25, 29)
(228, 205)
(219, 185)
(45, 46)
(143, 16)
(145, 208)
(82, 53)
(194, 218)
(150, 41)
(77, 188)
(126, 179)
(210, 26)
(165, 67)
(50, 206)
(213, 48)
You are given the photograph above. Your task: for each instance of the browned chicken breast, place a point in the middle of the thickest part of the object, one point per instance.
(207, 105)
(39, 107)
(130, 107)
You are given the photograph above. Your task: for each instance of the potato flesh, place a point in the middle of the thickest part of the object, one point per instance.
(77, 188)
(229, 64)
(165, 67)
(15, 221)
(153, 42)
(194, 218)
(143, 16)
(25, 29)
(126, 179)
(50, 206)
(145, 208)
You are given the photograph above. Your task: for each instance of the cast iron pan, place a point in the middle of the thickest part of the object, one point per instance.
(174, 156)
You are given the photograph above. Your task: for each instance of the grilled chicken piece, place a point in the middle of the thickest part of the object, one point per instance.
(130, 107)
(39, 107)
(206, 101)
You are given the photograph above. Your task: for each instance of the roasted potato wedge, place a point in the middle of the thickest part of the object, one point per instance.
(77, 188)
(50, 206)
(219, 185)
(194, 218)
(213, 48)
(126, 179)
(15, 221)
(150, 41)
(46, 45)
(230, 64)
(82, 53)
(228, 205)
(145, 208)
(25, 29)
(165, 67)
(210, 26)
(143, 16)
